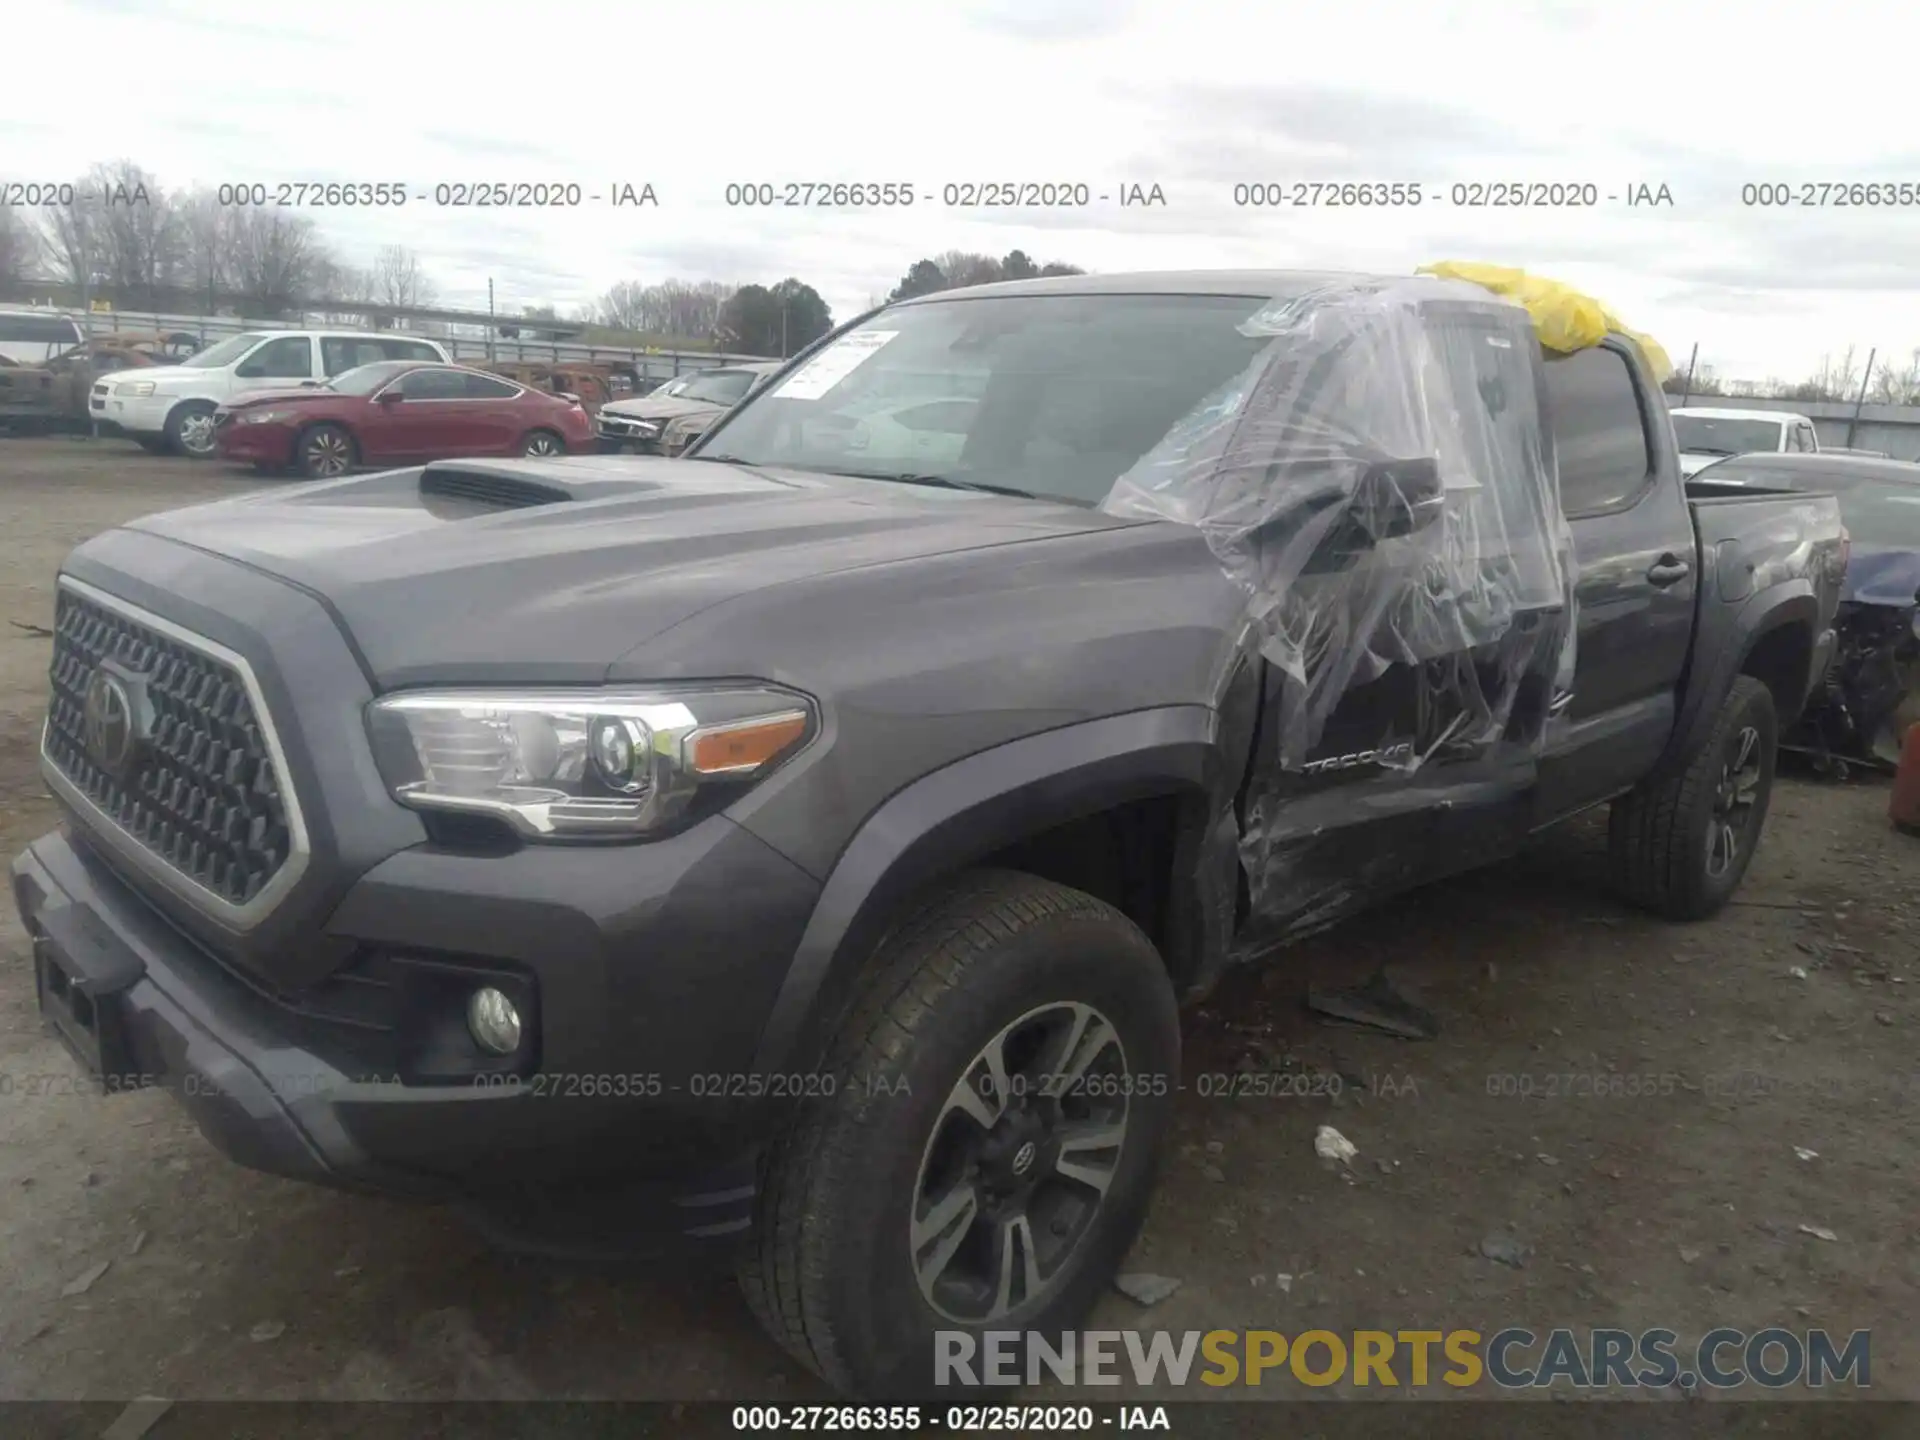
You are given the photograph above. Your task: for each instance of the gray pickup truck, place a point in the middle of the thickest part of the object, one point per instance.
(805, 845)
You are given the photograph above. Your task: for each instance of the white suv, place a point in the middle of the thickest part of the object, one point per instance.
(171, 408)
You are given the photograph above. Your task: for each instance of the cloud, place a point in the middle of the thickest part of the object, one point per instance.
(1052, 20)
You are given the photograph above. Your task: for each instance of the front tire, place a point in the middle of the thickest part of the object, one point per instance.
(189, 430)
(925, 1194)
(325, 452)
(1682, 840)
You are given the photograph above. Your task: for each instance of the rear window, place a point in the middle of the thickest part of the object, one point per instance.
(1599, 432)
(1725, 435)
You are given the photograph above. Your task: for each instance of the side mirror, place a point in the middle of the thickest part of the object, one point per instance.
(250, 372)
(1397, 498)
(389, 397)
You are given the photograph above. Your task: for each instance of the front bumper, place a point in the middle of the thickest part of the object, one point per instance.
(613, 436)
(254, 444)
(137, 415)
(607, 1160)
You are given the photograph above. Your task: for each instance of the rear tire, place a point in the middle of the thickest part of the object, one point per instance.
(850, 1220)
(542, 443)
(325, 452)
(1681, 841)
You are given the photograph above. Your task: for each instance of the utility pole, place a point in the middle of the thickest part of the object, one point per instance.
(1692, 359)
(1861, 399)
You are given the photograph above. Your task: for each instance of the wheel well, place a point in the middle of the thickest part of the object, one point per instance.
(1779, 660)
(1124, 855)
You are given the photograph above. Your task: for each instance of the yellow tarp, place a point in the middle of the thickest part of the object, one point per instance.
(1563, 318)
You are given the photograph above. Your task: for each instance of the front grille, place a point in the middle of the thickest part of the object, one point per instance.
(199, 788)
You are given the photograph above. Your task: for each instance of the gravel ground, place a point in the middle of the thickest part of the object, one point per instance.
(1619, 1098)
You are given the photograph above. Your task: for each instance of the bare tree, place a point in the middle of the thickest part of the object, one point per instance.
(274, 260)
(142, 252)
(398, 279)
(1836, 379)
(1897, 384)
(673, 307)
(19, 250)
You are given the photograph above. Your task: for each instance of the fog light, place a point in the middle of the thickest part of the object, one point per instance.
(493, 1022)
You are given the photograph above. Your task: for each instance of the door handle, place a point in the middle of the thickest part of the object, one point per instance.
(1669, 570)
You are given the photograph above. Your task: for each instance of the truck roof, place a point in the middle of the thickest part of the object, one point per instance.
(1254, 284)
(1708, 412)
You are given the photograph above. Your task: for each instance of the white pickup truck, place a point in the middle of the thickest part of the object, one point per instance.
(1705, 435)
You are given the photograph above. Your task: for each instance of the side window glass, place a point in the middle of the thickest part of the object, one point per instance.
(433, 385)
(288, 358)
(480, 387)
(1599, 433)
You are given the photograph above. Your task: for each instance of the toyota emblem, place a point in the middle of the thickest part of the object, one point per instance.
(110, 719)
(1023, 1158)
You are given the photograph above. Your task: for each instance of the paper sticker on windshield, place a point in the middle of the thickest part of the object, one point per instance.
(834, 364)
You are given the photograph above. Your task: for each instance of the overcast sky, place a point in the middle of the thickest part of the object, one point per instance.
(1193, 95)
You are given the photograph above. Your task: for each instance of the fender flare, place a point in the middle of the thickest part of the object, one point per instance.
(955, 815)
(1765, 613)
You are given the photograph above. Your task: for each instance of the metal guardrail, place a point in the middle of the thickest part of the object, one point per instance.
(650, 363)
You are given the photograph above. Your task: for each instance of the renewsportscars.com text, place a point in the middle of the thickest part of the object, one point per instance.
(1513, 1358)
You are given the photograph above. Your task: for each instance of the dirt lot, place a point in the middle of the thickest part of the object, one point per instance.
(1622, 1098)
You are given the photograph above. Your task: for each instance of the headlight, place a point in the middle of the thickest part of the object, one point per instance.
(261, 417)
(587, 764)
(139, 388)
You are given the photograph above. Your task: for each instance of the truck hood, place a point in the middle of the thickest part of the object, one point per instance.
(665, 407)
(548, 572)
(1882, 577)
(172, 377)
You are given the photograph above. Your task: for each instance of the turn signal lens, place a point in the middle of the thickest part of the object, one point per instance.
(728, 749)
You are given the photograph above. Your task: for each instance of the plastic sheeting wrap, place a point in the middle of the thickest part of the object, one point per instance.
(1565, 319)
(1378, 482)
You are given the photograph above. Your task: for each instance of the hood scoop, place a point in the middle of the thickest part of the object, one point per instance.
(497, 486)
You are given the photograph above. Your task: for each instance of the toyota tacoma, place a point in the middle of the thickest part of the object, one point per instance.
(806, 848)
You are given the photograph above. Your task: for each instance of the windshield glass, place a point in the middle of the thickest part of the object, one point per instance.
(717, 387)
(1051, 395)
(1704, 435)
(224, 353)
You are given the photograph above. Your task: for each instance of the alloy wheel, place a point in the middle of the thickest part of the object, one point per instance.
(1735, 798)
(1018, 1163)
(328, 454)
(196, 434)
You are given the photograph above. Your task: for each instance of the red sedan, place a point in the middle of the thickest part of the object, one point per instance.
(397, 412)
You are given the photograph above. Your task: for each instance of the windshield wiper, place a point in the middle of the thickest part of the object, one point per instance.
(724, 460)
(1708, 450)
(943, 482)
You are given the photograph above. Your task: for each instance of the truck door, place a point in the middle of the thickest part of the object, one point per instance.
(1633, 538)
(1424, 754)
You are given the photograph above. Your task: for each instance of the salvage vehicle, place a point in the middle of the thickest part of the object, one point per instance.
(53, 395)
(1706, 434)
(638, 426)
(173, 412)
(396, 411)
(1871, 693)
(766, 849)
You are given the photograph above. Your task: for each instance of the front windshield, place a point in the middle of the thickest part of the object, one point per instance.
(1049, 395)
(365, 379)
(716, 387)
(1705, 435)
(224, 353)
